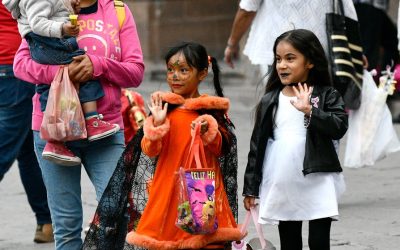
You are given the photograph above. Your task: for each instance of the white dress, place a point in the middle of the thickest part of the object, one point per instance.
(286, 194)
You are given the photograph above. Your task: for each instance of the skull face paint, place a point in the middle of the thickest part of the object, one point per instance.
(182, 78)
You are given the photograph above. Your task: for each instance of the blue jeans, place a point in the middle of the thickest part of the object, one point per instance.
(16, 140)
(52, 50)
(99, 158)
(57, 51)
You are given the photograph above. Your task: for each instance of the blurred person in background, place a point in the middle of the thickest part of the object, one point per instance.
(378, 33)
(269, 19)
(16, 138)
(114, 57)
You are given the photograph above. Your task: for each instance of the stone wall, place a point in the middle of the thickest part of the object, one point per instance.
(162, 23)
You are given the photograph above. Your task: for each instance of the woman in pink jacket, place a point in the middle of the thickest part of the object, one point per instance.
(113, 56)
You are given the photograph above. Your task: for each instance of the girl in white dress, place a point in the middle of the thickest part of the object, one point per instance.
(292, 164)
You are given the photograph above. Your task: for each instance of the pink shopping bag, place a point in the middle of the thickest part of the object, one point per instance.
(63, 118)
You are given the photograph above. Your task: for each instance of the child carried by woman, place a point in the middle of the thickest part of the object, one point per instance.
(52, 40)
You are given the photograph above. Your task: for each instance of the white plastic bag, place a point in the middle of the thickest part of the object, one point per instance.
(371, 135)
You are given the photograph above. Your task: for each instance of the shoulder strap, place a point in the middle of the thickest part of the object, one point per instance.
(120, 9)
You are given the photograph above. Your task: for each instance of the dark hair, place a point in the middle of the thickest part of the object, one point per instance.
(307, 43)
(197, 57)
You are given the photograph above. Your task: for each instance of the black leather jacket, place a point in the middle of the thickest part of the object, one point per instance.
(328, 122)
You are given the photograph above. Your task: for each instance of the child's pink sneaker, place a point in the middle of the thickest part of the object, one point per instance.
(98, 129)
(58, 153)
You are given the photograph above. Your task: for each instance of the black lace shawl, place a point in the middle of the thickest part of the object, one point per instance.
(125, 196)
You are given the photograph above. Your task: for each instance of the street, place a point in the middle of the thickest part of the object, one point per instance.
(369, 209)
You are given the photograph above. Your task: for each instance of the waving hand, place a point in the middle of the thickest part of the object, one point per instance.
(303, 93)
(158, 112)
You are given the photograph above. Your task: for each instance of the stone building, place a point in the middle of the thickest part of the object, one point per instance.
(162, 23)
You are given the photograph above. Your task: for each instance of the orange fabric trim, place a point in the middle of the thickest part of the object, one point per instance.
(196, 241)
(207, 102)
(170, 97)
(151, 142)
(202, 102)
(155, 133)
(151, 148)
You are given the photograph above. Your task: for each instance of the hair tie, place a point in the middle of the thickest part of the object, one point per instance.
(209, 60)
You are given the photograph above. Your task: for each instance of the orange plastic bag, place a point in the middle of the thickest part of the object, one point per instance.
(196, 191)
(63, 118)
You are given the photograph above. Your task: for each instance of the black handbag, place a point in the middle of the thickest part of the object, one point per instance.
(345, 55)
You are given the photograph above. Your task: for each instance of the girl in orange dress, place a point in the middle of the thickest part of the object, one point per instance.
(167, 136)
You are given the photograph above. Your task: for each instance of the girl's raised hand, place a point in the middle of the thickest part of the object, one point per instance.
(158, 112)
(302, 103)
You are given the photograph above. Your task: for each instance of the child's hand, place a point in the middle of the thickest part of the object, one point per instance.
(249, 202)
(303, 98)
(76, 6)
(70, 30)
(158, 112)
(203, 128)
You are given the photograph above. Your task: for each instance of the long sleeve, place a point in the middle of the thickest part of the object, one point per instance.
(39, 15)
(332, 120)
(152, 139)
(37, 73)
(251, 179)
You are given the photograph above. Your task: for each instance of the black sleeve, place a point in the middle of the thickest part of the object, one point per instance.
(333, 119)
(252, 180)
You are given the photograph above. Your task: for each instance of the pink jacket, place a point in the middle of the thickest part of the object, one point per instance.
(116, 56)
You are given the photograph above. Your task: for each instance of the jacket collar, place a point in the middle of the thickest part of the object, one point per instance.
(202, 102)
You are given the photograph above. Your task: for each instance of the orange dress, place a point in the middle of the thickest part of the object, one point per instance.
(156, 228)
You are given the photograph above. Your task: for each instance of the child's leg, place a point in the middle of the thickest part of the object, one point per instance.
(89, 93)
(90, 108)
(319, 234)
(43, 91)
(290, 235)
(54, 51)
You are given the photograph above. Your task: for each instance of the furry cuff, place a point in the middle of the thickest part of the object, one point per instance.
(212, 131)
(155, 133)
(193, 242)
(170, 97)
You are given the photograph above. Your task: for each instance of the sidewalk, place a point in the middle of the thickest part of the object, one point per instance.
(369, 209)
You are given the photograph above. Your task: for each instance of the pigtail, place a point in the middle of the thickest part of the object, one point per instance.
(216, 80)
